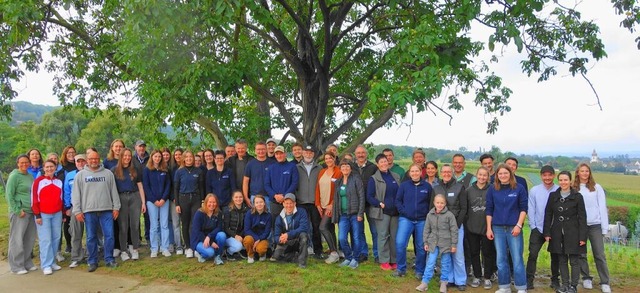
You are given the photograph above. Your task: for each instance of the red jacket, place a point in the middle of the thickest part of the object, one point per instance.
(46, 196)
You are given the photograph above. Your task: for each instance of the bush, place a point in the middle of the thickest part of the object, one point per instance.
(633, 219)
(618, 214)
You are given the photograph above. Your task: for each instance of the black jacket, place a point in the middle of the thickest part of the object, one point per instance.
(234, 221)
(565, 221)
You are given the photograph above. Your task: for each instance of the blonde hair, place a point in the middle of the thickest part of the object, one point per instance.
(512, 179)
(591, 183)
(203, 208)
(253, 208)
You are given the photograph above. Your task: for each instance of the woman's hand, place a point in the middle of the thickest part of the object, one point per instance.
(426, 247)
(516, 231)
(582, 243)
(178, 209)
(238, 238)
(329, 211)
(206, 241)
(549, 238)
(489, 234)
(453, 249)
(255, 244)
(320, 211)
(39, 222)
(143, 209)
(22, 214)
(359, 219)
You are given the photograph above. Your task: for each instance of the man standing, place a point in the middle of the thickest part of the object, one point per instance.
(281, 178)
(296, 151)
(457, 204)
(253, 177)
(418, 157)
(140, 159)
(238, 162)
(271, 148)
(96, 203)
(538, 197)
(366, 169)
(395, 168)
(487, 161)
(76, 229)
(291, 228)
(308, 171)
(513, 164)
(229, 151)
(459, 172)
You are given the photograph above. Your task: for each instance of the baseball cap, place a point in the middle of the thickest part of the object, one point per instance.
(80, 157)
(290, 196)
(271, 140)
(140, 142)
(546, 169)
(309, 148)
(279, 149)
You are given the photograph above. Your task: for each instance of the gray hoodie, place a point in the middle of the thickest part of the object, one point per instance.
(94, 191)
(441, 230)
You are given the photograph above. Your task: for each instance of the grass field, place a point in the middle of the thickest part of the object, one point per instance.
(318, 276)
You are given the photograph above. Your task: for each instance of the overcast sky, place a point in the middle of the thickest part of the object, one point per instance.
(559, 116)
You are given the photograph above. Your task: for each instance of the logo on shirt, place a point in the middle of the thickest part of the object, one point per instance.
(286, 173)
(424, 191)
(512, 195)
(451, 194)
(94, 179)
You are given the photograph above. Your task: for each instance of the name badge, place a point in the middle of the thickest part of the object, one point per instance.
(343, 187)
(451, 194)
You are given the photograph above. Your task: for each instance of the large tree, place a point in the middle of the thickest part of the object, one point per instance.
(323, 70)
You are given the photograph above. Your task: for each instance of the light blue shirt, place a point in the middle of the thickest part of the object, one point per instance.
(538, 197)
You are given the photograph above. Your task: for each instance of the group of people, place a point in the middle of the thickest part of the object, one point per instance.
(211, 204)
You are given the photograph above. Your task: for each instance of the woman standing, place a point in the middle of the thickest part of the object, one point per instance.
(114, 154)
(234, 225)
(220, 180)
(46, 204)
(565, 227)
(68, 164)
(381, 194)
(131, 192)
(325, 189)
(597, 225)
(188, 185)
(348, 212)
(208, 157)
(156, 190)
(476, 230)
(431, 170)
(506, 210)
(173, 161)
(257, 226)
(207, 237)
(35, 162)
(412, 202)
(22, 230)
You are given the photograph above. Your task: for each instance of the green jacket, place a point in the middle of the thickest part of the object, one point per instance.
(19, 192)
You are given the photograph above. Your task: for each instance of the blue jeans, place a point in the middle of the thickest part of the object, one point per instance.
(445, 264)
(503, 241)
(159, 220)
(49, 238)
(104, 221)
(406, 228)
(233, 245)
(374, 237)
(349, 223)
(210, 252)
(459, 276)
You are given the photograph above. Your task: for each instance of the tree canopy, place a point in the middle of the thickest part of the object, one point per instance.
(325, 70)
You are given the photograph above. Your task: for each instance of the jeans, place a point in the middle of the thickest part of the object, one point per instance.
(233, 245)
(536, 240)
(374, 237)
(504, 241)
(406, 228)
(349, 223)
(49, 234)
(174, 229)
(210, 252)
(594, 233)
(104, 221)
(159, 230)
(445, 266)
(22, 237)
(387, 228)
(459, 276)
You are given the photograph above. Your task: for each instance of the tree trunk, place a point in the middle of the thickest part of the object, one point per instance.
(214, 130)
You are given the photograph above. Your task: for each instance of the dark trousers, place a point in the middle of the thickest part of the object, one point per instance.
(65, 232)
(564, 268)
(276, 208)
(594, 234)
(314, 220)
(189, 203)
(480, 243)
(536, 240)
(294, 250)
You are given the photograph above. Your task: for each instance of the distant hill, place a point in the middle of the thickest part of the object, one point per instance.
(25, 111)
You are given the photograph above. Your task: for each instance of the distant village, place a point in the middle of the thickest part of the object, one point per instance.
(615, 164)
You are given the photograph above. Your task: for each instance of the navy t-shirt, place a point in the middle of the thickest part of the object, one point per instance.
(256, 171)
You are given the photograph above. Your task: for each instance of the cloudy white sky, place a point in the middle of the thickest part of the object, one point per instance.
(559, 116)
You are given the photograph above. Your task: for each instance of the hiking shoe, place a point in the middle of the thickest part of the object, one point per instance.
(92, 267)
(74, 264)
(56, 267)
(333, 258)
(605, 288)
(250, 260)
(385, 266)
(47, 271)
(398, 274)
(154, 254)
(487, 284)
(587, 284)
(21, 272)
(166, 253)
(112, 264)
(59, 256)
(189, 253)
(422, 287)
(124, 256)
(345, 263)
(475, 283)
(353, 264)
(218, 260)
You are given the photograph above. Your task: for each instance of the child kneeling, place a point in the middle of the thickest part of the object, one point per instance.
(440, 236)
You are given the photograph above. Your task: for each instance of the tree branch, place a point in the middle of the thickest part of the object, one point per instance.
(214, 130)
(371, 128)
(348, 123)
(279, 104)
(592, 89)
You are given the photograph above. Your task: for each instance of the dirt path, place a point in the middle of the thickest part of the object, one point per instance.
(79, 280)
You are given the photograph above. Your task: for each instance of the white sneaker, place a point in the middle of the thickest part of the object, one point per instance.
(21, 272)
(179, 251)
(116, 252)
(189, 253)
(74, 264)
(130, 248)
(605, 288)
(33, 268)
(250, 260)
(59, 256)
(522, 291)
(333, 258)
(587, 284)
(504, 290)
(154, 254)
(124, 256)
(166, 253)
(47, 271)
(56, 267)
(134, 254)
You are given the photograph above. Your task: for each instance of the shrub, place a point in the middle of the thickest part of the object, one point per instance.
(618, 214)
